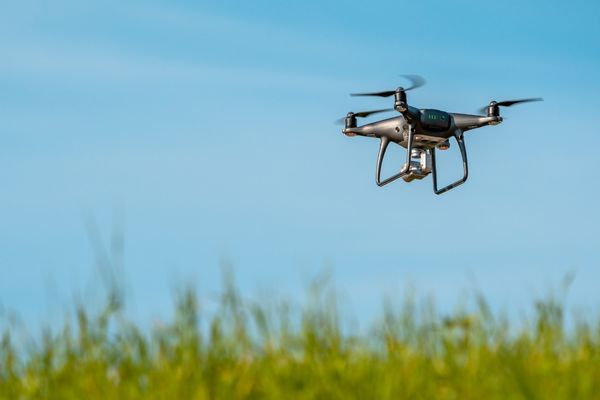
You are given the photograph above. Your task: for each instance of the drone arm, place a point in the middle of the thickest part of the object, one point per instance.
(382, 148)
(465, 122)
(409, 113)
(463, 152)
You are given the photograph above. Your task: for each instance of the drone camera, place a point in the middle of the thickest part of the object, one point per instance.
(420, 165)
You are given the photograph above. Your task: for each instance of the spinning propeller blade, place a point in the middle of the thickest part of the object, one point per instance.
(415, 80)
(364, 114)
(378, 94)
(508, 103)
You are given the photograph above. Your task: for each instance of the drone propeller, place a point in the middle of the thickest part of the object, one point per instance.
(363, 114)
(415, 80)
(492, 108)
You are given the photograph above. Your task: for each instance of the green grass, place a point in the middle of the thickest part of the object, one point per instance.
(252, 350)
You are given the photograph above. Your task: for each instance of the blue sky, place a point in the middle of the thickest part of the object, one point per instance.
(204, 133)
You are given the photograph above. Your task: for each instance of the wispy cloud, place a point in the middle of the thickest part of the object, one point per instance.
(94, 52)
(59, 61)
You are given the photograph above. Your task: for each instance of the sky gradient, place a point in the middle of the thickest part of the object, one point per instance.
(203, 134)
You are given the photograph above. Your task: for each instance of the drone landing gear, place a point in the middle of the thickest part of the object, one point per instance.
(463, 152)
(420, 162)
(405, 168)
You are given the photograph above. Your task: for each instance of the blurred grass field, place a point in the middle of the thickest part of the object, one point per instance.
(250, 350)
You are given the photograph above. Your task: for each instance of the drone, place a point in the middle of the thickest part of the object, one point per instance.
(421, 132)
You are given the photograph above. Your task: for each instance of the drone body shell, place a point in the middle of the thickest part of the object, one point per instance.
(396, 129)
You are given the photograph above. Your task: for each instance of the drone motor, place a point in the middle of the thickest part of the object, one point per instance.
(493, 109)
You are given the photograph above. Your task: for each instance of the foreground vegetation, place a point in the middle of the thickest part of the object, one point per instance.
(250, 350)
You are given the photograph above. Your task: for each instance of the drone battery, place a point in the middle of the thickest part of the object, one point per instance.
(435, 120)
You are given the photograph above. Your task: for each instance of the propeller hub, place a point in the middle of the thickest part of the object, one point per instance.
(350, 120)
(400, 99)
(493, 110)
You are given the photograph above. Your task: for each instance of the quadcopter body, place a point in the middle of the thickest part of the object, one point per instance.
(421, 132)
